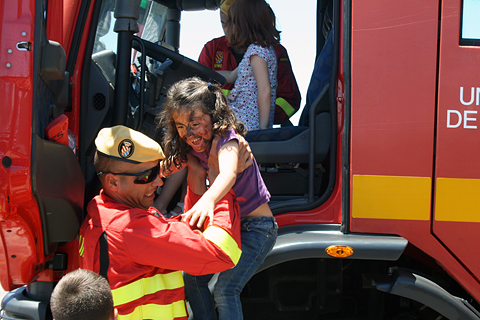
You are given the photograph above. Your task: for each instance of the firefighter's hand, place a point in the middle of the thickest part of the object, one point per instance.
(245, 155)
(245, 158)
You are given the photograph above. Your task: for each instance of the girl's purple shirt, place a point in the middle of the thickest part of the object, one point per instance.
(250, 190)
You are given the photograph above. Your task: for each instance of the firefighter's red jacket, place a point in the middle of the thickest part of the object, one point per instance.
(217, 55)
(146, 253)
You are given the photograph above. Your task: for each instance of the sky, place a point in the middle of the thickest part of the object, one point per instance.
(296, 23)
(471, 21)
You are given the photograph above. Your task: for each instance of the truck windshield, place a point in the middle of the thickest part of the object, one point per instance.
(151, 24)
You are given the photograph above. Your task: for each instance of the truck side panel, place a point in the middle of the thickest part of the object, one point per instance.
(394, 97)
(393, 60)
(457, 173)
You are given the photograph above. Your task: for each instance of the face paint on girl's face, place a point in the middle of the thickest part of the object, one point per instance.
(195, 128)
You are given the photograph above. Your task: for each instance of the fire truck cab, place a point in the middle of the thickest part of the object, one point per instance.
(376, 190)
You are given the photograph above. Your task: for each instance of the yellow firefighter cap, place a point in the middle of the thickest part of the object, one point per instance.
(225, 5)
(126, 144)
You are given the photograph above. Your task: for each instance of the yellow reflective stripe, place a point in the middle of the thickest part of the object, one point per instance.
(391, 197)
(287, 107)
(81, 250)
(144, 286)
(226, 92)
(457, 200)
(157, 312)
(222, 239)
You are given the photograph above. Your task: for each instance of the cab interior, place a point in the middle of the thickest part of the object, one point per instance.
(129, 63)
(127, 85)
(131, 58)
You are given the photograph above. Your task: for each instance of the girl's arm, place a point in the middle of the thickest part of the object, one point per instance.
(173, 169)
(170, 187)
(230, 76)
(227, 175)
(245, 158)
(260, 72)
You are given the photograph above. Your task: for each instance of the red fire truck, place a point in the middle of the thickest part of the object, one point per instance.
(376, 191)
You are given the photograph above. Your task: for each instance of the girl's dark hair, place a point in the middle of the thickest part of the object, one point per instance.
(251, 21)
(186, 96)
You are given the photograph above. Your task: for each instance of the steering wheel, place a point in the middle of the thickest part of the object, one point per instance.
(180, 62)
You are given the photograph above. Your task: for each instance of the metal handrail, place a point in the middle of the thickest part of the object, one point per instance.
(142, 80)
(311, 156)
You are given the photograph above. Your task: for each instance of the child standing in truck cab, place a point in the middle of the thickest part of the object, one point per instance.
(197, 121)
(250, 28)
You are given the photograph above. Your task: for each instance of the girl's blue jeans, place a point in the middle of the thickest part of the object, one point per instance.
(258, 235)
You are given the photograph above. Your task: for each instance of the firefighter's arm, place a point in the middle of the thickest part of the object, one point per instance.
(197, 174)
(227, 175)
(166, 171)
(172, 244)
(230, 76)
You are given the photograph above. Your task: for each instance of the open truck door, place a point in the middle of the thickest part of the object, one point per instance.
(42, 196)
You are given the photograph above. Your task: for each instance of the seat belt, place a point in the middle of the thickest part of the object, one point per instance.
(104, 260)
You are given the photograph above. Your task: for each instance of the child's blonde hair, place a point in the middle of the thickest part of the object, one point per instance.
(186, 96)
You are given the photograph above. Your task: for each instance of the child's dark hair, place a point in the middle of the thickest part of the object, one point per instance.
(254, 22)
(186, 96)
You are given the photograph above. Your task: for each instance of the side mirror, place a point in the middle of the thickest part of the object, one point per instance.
(52, 71)
(54, 61)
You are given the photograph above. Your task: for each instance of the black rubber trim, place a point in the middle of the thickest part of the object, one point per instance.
(413, 286)
(310, 241)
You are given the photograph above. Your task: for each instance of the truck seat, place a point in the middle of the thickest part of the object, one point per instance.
(291, 144)
(98, 111)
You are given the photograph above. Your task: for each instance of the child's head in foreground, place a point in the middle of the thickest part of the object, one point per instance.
(82, 295)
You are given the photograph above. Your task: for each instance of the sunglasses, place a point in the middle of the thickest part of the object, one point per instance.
(143, 177)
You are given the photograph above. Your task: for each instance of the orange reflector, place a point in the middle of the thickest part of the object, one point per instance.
(339, 251)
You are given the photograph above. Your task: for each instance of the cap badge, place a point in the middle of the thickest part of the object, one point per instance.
(125, 148)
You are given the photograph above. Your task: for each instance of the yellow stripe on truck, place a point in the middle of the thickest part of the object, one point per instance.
(391, 197)
(457, 200)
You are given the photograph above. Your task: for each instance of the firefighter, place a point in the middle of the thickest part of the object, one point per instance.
(130, 243)
(217, 55)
